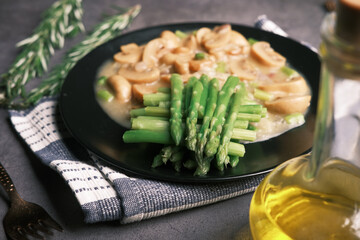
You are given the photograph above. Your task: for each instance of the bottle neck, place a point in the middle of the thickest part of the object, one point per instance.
(337, 130)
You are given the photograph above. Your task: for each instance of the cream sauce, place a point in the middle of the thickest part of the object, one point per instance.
(117, 110)
(270, 126)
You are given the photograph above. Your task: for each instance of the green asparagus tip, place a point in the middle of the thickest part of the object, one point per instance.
(190, 164)
(202, 169)
(157, 161)
(212, 146)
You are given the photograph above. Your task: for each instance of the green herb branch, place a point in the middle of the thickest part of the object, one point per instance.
(108, 29)
(61, 20)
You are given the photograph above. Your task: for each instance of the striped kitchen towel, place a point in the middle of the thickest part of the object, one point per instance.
(104, 193)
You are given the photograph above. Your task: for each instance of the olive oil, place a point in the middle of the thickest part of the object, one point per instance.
(287, 205)
(317, 196)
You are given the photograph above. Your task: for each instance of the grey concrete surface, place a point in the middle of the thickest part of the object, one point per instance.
(37, 183)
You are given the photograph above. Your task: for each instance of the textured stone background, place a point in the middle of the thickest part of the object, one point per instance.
(37, 183)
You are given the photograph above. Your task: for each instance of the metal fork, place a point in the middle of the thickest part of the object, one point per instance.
(24, 218)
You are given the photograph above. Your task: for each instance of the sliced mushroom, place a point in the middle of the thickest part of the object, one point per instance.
(147, 76)
(182, 50)
(296, 85)
(288, 105)
(237, 45)
(190, 42)
(219, 54)
(168, 58)
(232, 49)
(172, 41)
(238, 38)
(181, 55)
(201, 33)
(140, 89)
(162, 52)
(243, 69)
(181, 66)
(196, 65)
(121, 87)
(263, 52)
(130, 53)
(128, 48)
(140, 67)
(150, 55)
(165, 77)
(219, 37)
(241, 43)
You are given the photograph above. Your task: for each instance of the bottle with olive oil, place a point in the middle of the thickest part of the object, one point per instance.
(317, 196)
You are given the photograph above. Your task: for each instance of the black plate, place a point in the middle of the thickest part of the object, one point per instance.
(95, 130)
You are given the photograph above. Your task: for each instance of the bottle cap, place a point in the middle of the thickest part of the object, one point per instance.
(348, 21)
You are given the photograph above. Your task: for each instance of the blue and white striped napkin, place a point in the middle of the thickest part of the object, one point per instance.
(104, 193)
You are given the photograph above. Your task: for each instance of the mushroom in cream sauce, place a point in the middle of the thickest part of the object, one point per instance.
(219, 53)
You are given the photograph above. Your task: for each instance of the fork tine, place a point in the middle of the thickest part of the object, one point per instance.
(51, 223)
(32, 231)
(40, 227)
(21, 212)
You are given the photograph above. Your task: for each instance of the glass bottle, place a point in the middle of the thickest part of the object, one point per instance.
(317, 196)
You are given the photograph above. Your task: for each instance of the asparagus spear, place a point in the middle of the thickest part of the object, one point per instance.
(242, 124)
(156, 118)
(153, 99)
(205, 82)
(162, 124)
(165, 155)
(190, 164)
(163, 137)
(222, 157)
(150, 124)
(251, 117)
(254, 109)
(168, 151)
(150, 111)
(236, 149)
(145, 118)
(157, 161)
(243, 134)
(137, 136)
(164, 90)
(176, 129)
(176, 160)
(192, 117)
(218, 118)
(187, 91)
(262, 95)
(234, 160)
(165, 104)
(203, 166)
(177, 166)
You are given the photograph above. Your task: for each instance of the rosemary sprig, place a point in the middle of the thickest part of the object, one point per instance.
(61, 20)
(103, 32)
